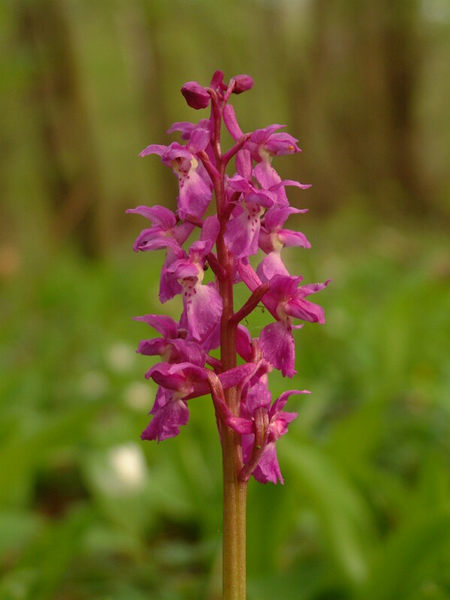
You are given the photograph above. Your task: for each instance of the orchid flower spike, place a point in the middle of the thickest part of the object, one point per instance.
(220, 221)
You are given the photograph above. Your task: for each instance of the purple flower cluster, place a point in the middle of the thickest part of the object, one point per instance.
(251, 209)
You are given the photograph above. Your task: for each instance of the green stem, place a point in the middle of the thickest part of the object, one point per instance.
(234, 491)
(234, 521)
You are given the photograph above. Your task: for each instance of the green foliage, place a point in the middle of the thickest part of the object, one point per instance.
(88, 510)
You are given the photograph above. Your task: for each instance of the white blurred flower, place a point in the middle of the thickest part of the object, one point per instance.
(121, 357)
(128, 467)
(140, 396)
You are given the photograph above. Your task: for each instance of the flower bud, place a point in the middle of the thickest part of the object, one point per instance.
(242, 83)
(217, 81)
(195, 95)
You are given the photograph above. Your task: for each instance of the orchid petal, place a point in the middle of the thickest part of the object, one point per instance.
(159, 215)
(154, 149)
(195, 195)
(276, 217)
(166, 421)
(203, 307)
(293, 238)
(278, 347)
(270, 266)
(244, 343)
(162, 323)
(244, 163)
(229, 118)
(266, 175)
(268, 469)
(280, 402)
(152, 347)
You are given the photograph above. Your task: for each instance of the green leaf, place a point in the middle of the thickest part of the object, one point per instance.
(346, 525)
(409, 558)
(47, 560)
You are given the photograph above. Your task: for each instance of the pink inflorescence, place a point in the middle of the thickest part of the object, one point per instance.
(250, 217)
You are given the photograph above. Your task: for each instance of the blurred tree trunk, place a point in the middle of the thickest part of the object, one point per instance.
(366, 71)
(402, 73)
(68, 162)
(151, 66)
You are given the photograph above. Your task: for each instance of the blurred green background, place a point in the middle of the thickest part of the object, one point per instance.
(86, 509)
